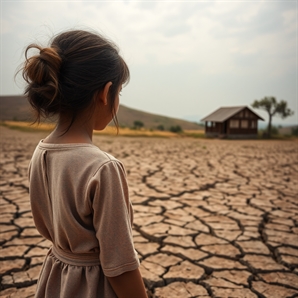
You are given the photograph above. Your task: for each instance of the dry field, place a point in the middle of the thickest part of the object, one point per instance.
(213, 218)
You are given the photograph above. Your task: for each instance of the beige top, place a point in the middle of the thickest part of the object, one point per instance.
(80, 202)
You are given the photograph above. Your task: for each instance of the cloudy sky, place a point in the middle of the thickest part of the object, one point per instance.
(187, 58)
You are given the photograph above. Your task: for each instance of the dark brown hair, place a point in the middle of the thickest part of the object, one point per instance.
(65, 76)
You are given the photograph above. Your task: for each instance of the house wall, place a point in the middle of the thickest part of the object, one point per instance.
(243, 123)
(213, 127)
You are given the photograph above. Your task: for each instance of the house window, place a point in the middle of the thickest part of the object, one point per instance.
(244, 124)
(253, 124)
(234, 123)
(210, 124)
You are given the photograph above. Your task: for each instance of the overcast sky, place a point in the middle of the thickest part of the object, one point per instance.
(186, 58)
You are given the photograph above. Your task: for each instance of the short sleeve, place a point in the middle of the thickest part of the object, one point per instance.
(112, 219)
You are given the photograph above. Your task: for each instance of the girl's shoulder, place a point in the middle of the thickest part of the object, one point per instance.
(76, 156)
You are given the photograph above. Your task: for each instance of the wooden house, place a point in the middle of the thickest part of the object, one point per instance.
(232, 122)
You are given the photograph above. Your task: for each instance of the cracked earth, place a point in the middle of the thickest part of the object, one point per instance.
(212, 218)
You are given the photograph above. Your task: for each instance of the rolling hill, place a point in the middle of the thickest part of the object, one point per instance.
(17, 108)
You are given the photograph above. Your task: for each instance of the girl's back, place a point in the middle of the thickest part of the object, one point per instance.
(79, 194)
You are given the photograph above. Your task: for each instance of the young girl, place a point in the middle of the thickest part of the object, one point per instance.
(78, 193)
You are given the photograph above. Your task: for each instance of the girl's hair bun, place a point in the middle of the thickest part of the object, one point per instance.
(41, 72)
(64, 77)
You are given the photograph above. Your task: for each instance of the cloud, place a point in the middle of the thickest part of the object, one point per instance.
(165, 32)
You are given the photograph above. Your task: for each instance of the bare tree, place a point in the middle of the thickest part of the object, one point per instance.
(273, 107)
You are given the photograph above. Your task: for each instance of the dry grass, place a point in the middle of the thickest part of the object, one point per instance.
(27, 126)
(109, 130)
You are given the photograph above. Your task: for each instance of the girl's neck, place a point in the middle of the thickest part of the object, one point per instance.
(78, 132)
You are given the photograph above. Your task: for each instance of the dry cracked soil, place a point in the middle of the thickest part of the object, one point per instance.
(212, 218)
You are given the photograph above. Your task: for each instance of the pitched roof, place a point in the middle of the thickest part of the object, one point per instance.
(224, 113)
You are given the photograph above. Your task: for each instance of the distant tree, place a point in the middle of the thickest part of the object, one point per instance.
(160, 127)
(273, 107)
(176, 128)
(138, 124)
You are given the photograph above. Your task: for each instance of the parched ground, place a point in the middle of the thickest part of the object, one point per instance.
(213, 218)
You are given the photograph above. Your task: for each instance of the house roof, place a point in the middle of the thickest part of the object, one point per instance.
(224, 113)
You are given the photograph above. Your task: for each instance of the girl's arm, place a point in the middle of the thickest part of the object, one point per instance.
(128, 285)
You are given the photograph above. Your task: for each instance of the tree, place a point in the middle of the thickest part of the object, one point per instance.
(273, 107)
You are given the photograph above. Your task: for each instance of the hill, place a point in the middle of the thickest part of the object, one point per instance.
(14, 108)
(17, 108)
(127, 116)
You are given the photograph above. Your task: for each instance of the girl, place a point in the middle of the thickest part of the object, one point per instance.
(79, 195)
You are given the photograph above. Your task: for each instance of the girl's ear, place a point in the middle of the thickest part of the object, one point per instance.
(103, 95)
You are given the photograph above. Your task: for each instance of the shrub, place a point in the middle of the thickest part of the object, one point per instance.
(176, 128)
(160, 127)
(138, 124)
(295, 131)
